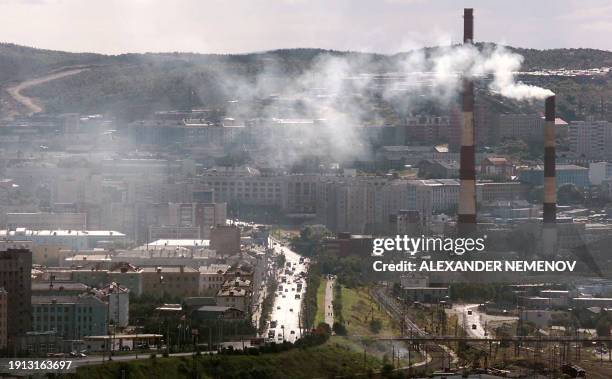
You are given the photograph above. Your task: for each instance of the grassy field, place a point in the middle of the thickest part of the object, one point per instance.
(320, 316)
(358, 309)
(330, 359)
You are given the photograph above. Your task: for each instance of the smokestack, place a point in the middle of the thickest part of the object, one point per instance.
(549, 232)
(466, 217)
(468, 25)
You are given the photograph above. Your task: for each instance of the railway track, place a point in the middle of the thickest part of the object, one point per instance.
(440, 357)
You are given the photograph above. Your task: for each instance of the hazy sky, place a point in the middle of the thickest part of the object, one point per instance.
(230, 26)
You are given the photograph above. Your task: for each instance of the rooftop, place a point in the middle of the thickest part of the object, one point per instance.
(62, 233)
(176, 269)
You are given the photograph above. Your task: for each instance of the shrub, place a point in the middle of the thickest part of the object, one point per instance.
(375, 326)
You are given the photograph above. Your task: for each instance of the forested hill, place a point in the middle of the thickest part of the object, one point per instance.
(136, 84)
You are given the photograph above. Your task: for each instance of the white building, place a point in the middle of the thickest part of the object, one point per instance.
(118, 299)
(70, 239)
(599, 171)
(590, 139)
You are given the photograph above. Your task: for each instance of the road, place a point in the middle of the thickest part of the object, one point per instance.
(471, 318)
(29, 103)
(329, 298)
(288, 299)
(477, 318)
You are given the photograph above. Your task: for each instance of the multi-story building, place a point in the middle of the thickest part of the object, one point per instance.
(173, 281)
(424, 129)
(174, 232)
(599, 171)
(212, 278)
(15, 278)
(118, 299)
(590, 140)
(201, 215)
(72, 317)
(496, 168)
(528, 127)
(501, 191)
(234, 297)
(565, 174)
(245, 185)
(127, 276)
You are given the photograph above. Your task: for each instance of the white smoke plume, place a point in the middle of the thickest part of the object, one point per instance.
(503, 64)
(338, 90)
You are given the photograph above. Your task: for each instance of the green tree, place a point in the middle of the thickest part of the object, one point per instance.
(569, 194)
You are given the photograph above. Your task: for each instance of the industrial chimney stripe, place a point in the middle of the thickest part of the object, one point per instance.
(550, 188)
(466, 215)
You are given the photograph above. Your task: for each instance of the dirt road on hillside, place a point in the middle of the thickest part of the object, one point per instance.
(33, 107)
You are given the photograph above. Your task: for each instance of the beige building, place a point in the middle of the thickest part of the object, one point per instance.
(49, 255)
(168, 280)
(234, 297)
(212, 278)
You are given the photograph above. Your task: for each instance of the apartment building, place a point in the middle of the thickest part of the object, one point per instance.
(72, 317)
(15, 278)
(590, 140)
(178, 281)
(212, 278)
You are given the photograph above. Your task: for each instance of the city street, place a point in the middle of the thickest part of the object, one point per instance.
(329, 298)
(285, 317)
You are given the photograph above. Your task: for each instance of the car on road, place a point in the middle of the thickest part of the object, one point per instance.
(469, 313)
(474, 326)
(290, 309)
(278, 307)
(292, 332)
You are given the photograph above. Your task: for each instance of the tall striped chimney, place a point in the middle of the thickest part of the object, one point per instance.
(549, 231)
(466, 217)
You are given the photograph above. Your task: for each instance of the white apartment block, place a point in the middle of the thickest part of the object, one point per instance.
(591, 139)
